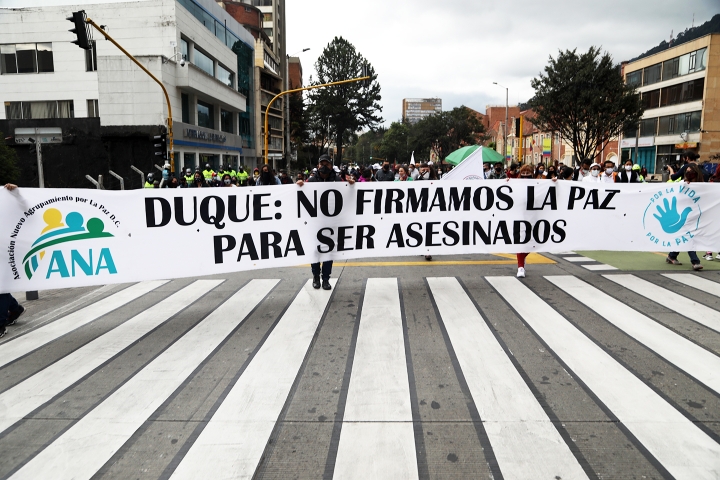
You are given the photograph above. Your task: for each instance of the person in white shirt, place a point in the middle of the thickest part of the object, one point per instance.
(594, 176)
(608, 176)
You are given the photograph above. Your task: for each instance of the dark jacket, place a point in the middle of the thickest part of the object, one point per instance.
(383, 176)
(333, 177)
(622, 177)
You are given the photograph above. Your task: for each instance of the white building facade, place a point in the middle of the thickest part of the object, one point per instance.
(198, 51)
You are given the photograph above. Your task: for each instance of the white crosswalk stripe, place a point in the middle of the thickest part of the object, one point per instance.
(376, 429)
(377, 439)
(232, 443)
(702, 284)
(100, 433)
(686, 355)
(524, 440)
(25, 397)
(25, 344)
(671, 300)
(680, 446)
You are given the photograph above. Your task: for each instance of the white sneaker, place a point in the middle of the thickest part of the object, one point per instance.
(717, 257)
(708, 257)
(521, 272)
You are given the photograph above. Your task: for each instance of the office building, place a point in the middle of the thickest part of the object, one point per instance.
(107, 107)
(680, 88)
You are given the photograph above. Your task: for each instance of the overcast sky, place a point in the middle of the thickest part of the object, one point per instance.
(456, 49)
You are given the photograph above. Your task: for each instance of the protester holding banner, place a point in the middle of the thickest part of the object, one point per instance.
(403, 175)
(584, 170)
(526, 172)
(385, 174)
(227, 181)
(692, 174)
(10, 309)
(551, 172)
(266, 177)
(198, 181)
(324, 173)
(628, 175)
(608, 176)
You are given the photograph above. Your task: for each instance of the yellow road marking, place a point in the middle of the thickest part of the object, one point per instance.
(533, 258)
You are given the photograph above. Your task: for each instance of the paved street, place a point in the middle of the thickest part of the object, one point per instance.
(406, 369)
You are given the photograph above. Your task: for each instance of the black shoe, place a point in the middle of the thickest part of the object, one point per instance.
(12, 318)
(3, 332)
(326, 284)
(428, 257)
(316, 281)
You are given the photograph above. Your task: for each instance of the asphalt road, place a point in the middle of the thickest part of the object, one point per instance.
(445, 369)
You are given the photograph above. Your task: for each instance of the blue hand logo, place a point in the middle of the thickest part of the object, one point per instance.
(670, 220)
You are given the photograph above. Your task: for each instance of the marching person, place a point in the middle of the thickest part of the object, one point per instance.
(266, 177)
(498, 173)
(526, 172)
(692, 174)
(150, 181)
(324, 173)
(10, 309)
(198, 181)
(188, 176)
(627, 174)
(242, 177)
(583, 171)
(386, 174)
(403, 175)
(594, 176)
(208, 172)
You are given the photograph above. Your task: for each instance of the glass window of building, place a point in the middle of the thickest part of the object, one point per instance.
(225, 76)
(34, 110)
(651, 99)
(205, 115)
(226, 121)
(45, 58)
(204, 62)
(91, 59)
(268, 32)
(651, 74)
(184, 49)
(634, 78)
(267, 17)
(648, 127)
(26, 58)
(92, 107)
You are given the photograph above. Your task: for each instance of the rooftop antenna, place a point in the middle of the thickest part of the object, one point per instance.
(671, 38)
(693, 24)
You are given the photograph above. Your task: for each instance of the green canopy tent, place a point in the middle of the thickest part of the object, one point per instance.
(486, 155)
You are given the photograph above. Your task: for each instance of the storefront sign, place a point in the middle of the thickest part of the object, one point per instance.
(641, 142)
(53, 238)
(203, 135)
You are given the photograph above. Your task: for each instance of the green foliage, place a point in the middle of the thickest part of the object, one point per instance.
(395, 146)
(445, 132)
(349, 107)
(711, 26)
(583, 96)
(365, 146)
(9, 171)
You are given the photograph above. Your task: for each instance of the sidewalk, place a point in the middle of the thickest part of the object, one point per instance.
(653, 261)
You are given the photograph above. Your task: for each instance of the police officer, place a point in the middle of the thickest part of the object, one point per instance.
(208, 172)
(242, 176)
(188, 176)
(149, 182)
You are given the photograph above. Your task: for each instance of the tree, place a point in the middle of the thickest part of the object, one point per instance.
(445, 132)
(395, 145)
(365, 149)
(584, 98)
(349, 107)
(9, 171)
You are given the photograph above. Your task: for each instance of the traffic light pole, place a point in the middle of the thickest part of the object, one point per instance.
(167, 97)
(295, 90)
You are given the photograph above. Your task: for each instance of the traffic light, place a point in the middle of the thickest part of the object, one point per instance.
(82, 30)
(160, 145)
(365, 72)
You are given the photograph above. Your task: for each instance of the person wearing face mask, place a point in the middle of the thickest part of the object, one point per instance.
(526, 173)
(608, 176)
(227, 181)
(385, 174)
(208, 172)
(627, 174)
(424, 173)
(188, 176)
(692, 174)
(551, 172)
(253, 180)
(498, 173)
(149, 182)
(565, 173)
(403, 175)
(540, 171)
(594, 176)
(486, 171)
(266, 177)
(414, 172)
(324, 173)
(198, 181)
(583, 171)
(513, 171)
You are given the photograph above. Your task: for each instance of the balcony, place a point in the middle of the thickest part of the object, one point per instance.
(191, 78)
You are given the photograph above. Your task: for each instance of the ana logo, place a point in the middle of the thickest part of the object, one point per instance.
(473, 177)
(59, 234)
(675, 218)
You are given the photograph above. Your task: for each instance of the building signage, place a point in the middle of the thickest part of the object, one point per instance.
(683, 146)
(44, 134)
(58, 238)
(203, 135)
(641, 142)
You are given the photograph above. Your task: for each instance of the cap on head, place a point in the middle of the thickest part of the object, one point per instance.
(324, 158)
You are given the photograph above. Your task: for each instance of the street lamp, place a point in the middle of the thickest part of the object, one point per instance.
(506, 120)
(299, 51)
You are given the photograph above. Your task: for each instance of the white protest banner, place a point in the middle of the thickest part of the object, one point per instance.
(65, 238)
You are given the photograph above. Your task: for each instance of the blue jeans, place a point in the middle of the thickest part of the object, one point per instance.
(693, 257)
(7, 304)
(326, 269)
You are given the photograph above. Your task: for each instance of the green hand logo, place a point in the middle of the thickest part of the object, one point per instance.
(670, 220)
